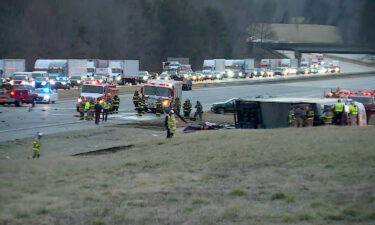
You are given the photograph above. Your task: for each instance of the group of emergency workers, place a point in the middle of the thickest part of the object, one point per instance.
(174, 109)
(338, 114)
(96, 109)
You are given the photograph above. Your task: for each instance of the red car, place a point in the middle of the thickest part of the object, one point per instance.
(17, 94)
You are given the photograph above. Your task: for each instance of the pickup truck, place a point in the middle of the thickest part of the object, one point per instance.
(17, 94)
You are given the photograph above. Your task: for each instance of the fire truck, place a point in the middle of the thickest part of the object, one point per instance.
(17, 94)
(97, 92)
(367, 98)
(167, 90)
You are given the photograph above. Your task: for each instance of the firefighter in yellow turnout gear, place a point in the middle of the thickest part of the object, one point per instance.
(92, 109)
(116, 104)
(170, 123)
(292, 118)
(159, 107)
(141, 106)
(36, 145)
(310, 115)
(81, 109)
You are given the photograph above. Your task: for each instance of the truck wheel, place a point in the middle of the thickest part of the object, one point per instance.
(17, 103)
(220, 111)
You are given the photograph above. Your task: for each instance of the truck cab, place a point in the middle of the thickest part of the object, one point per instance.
(97, 93)
(167, 90)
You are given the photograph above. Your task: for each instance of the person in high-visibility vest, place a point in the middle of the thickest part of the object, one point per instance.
(106, 107)
(338, 109)
(36, 145)
(353, 114)
(170, 123)
(87, 110)
(116, 104)
(310, 115)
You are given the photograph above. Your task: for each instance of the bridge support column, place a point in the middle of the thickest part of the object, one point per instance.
(298, 56)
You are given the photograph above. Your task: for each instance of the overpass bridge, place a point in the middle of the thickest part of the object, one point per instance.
(300, 48)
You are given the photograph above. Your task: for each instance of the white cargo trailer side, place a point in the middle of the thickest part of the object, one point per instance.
(219, 65)
(131, 72)
(9, 66)
(77, 67)
(249, 65)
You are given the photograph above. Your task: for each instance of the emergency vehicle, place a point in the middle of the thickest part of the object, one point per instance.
(97, 92)
(17, 94)
(367, 98)
(167, 90)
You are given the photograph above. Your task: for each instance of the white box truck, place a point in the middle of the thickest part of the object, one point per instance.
(9, 66)
(214, 65)
(116, 69)
(90, 68)
(131, 72)
(77, 67)
(249, 66)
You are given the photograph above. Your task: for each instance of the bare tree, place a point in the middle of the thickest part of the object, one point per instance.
(258, 32)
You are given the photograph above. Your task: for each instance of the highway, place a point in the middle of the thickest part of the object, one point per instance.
(16, 123)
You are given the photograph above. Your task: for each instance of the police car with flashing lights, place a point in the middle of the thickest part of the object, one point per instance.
(46, 95)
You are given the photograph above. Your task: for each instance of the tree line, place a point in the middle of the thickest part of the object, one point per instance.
(151, 30)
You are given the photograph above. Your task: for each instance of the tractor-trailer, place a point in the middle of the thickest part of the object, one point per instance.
(9, 66)
(62, 67)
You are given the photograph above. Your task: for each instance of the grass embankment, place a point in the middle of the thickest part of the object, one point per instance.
(282, 176)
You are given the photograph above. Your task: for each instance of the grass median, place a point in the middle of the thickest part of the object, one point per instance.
(320, 175)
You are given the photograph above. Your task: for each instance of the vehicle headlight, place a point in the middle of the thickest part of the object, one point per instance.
(23, 82)
(261, 72)
(337, 69)
(78, 81)
(44, 83)
(11, 82)
(46, 97)
(165, 103)
(52, 82)
(63, 83)
(194, 77)
(118, 78)
(240, 73)
(157, 78)
(101, 80)
(145, 77)
(230, 73)
(166, 78)
(186, 76)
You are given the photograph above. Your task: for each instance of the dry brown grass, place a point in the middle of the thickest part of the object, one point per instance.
(282, 176)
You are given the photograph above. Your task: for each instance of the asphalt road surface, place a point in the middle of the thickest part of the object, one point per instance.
(18, 122)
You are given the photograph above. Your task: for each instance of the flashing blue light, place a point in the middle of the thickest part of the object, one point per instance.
(46, 90)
